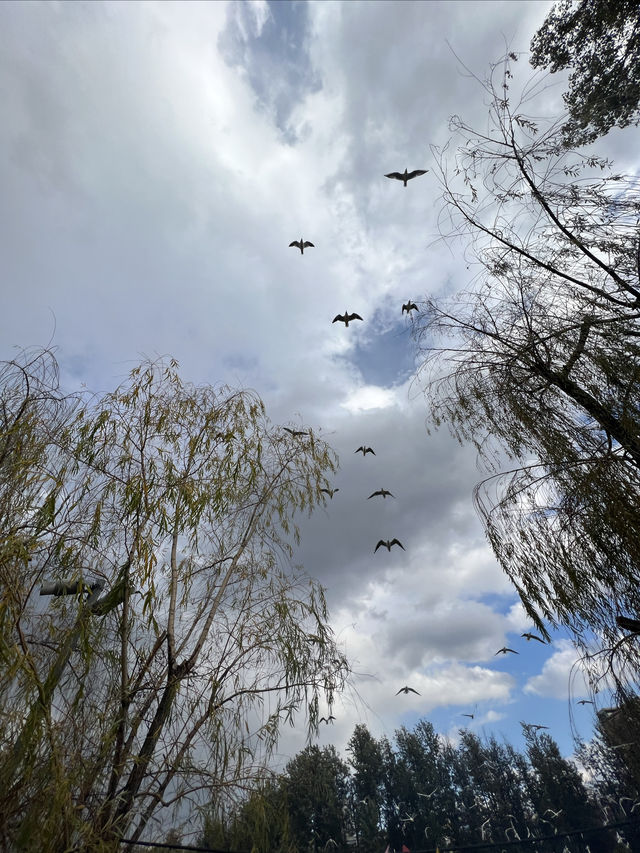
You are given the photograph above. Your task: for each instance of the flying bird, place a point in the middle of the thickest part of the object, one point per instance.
(406, 689)
(330, 492)
(409, 307)
(468, 715)
(533, 637)
(406, 176)
(382, 492)
(554, 814)
(535, 726)
(504, 650)
(346, 318)
(585, 702)
(301, 244)
(387, 544)
(426, 796)
(327, 720)
(295, 432)
(364, 450)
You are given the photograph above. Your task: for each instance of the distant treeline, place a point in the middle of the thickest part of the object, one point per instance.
(422, 791)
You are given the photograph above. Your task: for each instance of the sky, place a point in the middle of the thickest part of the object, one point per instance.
(156, 160)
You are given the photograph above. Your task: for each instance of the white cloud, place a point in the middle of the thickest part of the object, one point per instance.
(369, 397)
(559, 677)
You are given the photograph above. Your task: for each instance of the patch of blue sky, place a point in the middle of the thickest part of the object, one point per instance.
(274, 56)
(386, 359)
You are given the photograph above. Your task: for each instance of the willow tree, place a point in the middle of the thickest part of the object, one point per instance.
(181, 500)
(538, 364)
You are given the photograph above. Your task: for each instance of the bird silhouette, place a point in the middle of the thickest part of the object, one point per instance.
(346, 318)
(295, 432)
(468, 715)
(406, 176)
(330, 492)
(533, 637)
(504, 650)
(301, 244)
(387, 544)
(364, 450)
(327, 720)
(535, 726)
(382, 492)
(406, 689)
(585, 702)
(409, 307)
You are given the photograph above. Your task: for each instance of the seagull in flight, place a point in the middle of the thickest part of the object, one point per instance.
(426, 796)
(302, 245)
(330, 492)
(533, 637)
(406, 689)
(364, 450)
(532, 726)
(554, 814)
(382, 492)
(346, 318)
(504, 650)
(327, 720)
(387, 544)
(406, 176)
(295, 432)
(585, 702)
(409, 307)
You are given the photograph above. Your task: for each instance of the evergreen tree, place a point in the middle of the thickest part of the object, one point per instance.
(316, 787)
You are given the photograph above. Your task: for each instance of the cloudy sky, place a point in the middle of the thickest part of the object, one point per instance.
(156, 160)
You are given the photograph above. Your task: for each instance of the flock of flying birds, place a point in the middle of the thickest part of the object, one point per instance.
(347, 318)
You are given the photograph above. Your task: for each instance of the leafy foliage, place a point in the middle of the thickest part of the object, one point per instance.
(173, 684)
(599, 40)
(538, 364)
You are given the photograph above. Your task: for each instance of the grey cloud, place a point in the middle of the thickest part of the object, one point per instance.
(459, 630)
(275, 59)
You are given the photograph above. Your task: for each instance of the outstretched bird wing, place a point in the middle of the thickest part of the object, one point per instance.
(381, 542)
(416, 173)
(530, 636)
(340, 317)
(307, 243)
(354, 317)
(297, 244)
(398, 542)
(398, 177)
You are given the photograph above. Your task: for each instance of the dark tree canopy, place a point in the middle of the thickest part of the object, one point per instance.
(421, 792)
(599, 41)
